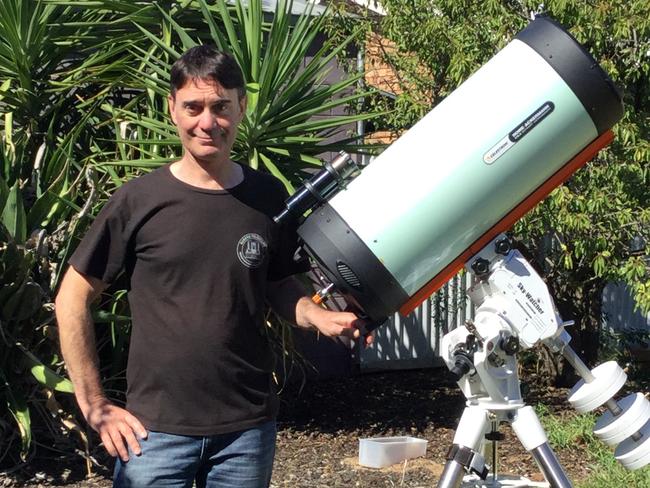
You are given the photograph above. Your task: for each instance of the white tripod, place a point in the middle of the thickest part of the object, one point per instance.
(515, 311)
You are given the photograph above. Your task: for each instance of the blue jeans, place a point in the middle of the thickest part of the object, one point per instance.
(242, 459)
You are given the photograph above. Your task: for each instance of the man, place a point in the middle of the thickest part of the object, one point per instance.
(202, 255)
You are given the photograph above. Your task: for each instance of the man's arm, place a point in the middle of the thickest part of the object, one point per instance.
(77, 335)
(288, 299)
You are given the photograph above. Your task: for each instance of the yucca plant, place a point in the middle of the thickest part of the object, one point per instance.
(44, 132)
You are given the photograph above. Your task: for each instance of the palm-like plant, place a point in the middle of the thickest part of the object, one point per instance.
(43, 129)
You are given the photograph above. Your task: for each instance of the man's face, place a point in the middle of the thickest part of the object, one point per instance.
(207, 115)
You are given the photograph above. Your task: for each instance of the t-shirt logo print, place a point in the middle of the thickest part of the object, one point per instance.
(251, 250)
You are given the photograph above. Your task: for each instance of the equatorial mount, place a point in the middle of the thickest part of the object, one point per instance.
(514, 311)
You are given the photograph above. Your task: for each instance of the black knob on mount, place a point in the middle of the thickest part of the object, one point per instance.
(510, 345)
(462, 365)
(502, 246)
(481, 267)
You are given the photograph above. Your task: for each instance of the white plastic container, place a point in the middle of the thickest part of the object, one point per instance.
(377, 452)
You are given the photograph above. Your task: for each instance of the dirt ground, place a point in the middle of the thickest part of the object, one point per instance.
(320, 427)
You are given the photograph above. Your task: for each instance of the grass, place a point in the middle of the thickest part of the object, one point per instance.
(575, 432)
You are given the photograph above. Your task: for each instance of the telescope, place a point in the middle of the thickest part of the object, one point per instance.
(439, 198)
(511, 133)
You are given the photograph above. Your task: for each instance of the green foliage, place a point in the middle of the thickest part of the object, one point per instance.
(42, 133)
(565, 433)
(438, 44)
(28, 360)
(597, 226)
(607, 472)
(594, 229)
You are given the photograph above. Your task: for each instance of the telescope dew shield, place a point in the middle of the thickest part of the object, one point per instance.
(516, 129)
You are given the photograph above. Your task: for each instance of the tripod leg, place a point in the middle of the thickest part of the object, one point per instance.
(452, 475)
(531, 434)
(551, 467)
(467, 440)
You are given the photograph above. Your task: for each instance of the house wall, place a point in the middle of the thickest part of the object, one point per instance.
(335, 74)
(379, 74)
(620, 316)
(619, 310)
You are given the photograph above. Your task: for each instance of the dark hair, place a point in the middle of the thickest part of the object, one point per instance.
(207, 63)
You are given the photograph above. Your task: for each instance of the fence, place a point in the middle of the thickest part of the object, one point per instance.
(414, 341)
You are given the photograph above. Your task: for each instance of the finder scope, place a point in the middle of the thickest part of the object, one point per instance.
(319, 187)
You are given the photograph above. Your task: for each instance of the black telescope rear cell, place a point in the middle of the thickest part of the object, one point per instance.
(349, 263)
(577, 67)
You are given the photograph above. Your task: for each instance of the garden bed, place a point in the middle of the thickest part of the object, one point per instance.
(319, 428)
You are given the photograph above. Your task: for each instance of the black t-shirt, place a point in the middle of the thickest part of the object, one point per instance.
(197, 262)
